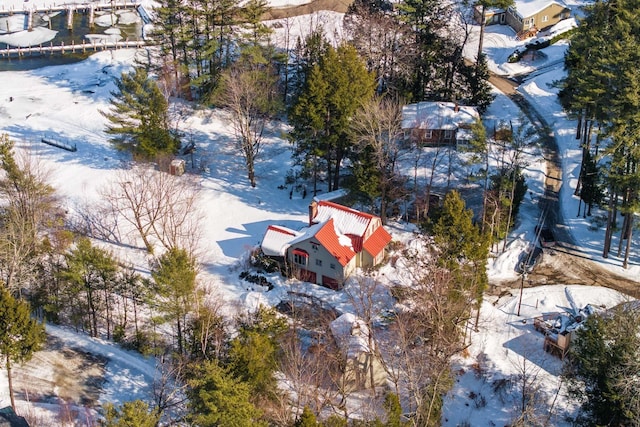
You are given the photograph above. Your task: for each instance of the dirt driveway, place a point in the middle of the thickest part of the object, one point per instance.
(565, 263)
(59, 374)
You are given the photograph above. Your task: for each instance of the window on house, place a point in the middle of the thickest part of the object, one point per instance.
(319, 262)
(333, 266)
(300, 259)
(448, 134)
(314, 246)
(545, 18)
(428, 134)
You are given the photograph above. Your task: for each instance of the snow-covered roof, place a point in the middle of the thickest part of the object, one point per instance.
(437, 115)
(526, 8)
(331, 195)
(346, 220)
(351, 334)
(277, 239)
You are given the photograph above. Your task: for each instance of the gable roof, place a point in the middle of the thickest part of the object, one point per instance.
(527, 8)
(437, 115)
(276, 240)
(346, 220)
(338, 245)
(377, 241)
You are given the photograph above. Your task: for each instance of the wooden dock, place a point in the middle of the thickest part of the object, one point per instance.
(80, 7)
(72, 48)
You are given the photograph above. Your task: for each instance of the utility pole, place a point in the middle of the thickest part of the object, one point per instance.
(522, 276)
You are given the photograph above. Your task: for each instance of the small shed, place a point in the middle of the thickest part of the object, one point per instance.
(177, 167)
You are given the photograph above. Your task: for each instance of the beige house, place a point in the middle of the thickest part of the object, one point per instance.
(338, 240)
(526, 17)
(362, 365)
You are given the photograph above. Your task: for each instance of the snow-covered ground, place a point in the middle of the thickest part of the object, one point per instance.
(64, 102)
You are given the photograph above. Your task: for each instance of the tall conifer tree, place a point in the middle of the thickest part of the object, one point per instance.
(20, 335)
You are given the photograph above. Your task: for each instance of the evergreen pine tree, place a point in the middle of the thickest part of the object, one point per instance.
(130, 414)
(218, 399)
(603, 360)
(253, 354)
(334, 90)
(175, 277)
(20, 335)
(138, 118)
(479, 88)
(393, 409)
(307, 418)
(90, 271)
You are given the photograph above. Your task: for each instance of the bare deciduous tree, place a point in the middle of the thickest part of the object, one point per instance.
(250, 94)
(28, 209)
(161, 208)
(377, 128)
(427, 332)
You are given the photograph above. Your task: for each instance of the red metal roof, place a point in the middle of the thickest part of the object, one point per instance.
(330, 241)
(377, 241)
(281, 230)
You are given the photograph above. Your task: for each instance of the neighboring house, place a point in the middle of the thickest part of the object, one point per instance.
(362, 368)
(526, 17)
(338, 240)
(438, 123)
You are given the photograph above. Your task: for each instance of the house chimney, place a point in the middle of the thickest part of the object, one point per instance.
(456, 107)
(313, 211)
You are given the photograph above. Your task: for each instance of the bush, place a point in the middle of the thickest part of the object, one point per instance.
(118, 334)
(257, 279)
(262, 262)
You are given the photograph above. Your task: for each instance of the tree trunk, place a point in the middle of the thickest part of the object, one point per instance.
(625, 223)
(383, 205)
(513, 190)
(10, 381)
(485, 191)
(179, 326)
(93, 312)
(627, 249)
(107, 312)
(249, 160)
(336, 172)
(481, 38)
(135, 317)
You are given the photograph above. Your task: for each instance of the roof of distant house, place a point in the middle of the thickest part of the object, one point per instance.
(527, 8)
(437, 115)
